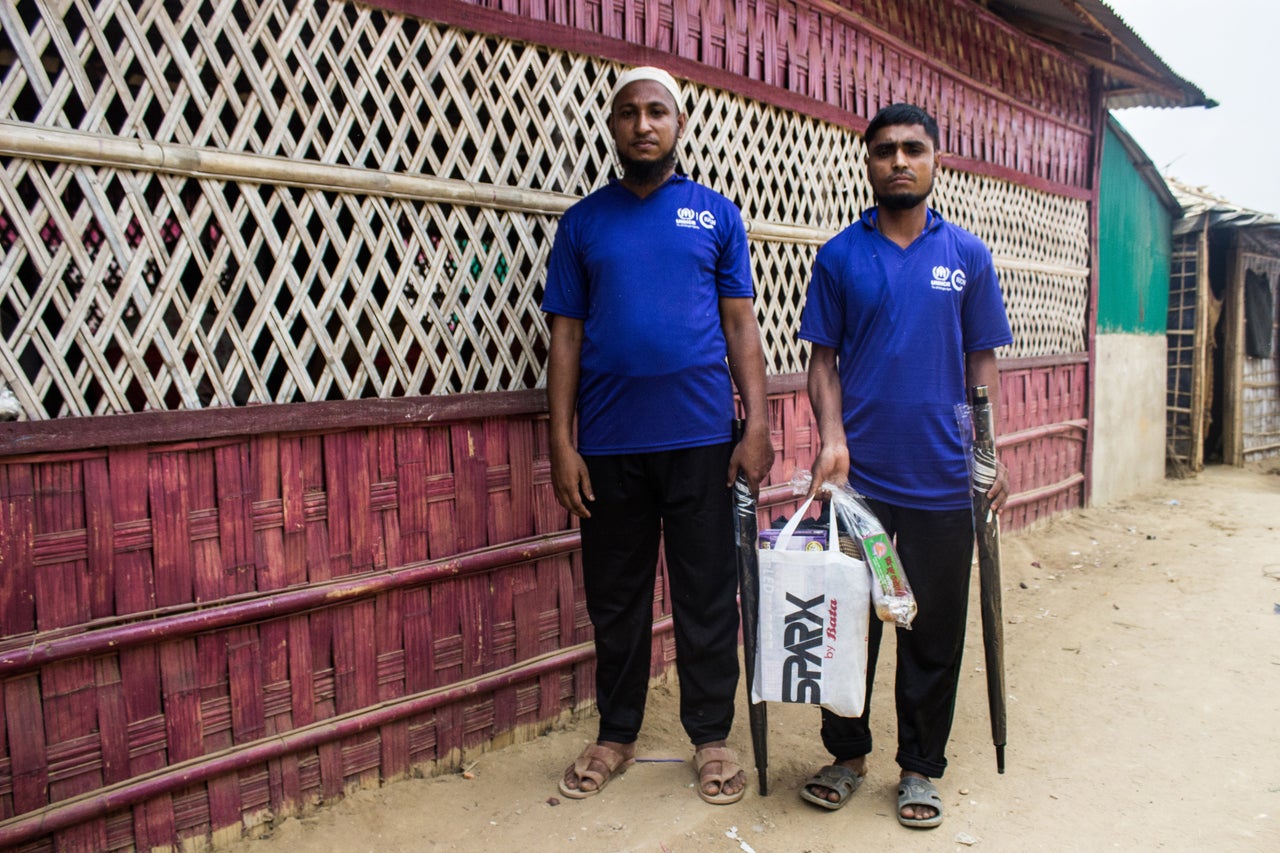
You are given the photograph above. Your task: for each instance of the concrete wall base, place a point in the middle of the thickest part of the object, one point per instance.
(1129, 415)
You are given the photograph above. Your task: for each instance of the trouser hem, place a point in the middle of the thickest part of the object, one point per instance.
(915, 764)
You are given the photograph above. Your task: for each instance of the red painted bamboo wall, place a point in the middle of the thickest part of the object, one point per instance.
(172, 609)
(1043, 426)
(204, 631)
(1006, 104)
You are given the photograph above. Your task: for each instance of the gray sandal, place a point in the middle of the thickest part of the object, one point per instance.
(914, 791)
(836, 777)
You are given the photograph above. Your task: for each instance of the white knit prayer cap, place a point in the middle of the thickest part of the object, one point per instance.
(648, 72)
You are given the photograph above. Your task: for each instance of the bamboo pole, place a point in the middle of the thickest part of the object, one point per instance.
(1024, 498)
(27, 141)
(1233, 358)
(1202, 341)
(37, 652)
(761, 230)
(1030, 434)
(1262, 448)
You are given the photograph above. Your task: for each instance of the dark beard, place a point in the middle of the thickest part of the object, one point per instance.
(645, 172)
(901, 201)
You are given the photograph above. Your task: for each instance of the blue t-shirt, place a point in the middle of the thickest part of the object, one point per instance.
(901, 322)
(646, 276)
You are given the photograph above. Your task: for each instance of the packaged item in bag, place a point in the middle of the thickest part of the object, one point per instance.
(813, 623)
(805, 540)
(891, 594)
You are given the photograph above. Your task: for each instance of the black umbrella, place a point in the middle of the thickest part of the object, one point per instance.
(745, 535)
(987, 527)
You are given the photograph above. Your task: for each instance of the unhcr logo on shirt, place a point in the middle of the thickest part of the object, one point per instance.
(948, 279)
(687, 217)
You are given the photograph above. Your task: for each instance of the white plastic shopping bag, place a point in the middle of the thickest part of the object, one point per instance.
(814, 610)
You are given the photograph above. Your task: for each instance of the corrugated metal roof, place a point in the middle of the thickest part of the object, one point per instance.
(1089, 30)
(1199, 205)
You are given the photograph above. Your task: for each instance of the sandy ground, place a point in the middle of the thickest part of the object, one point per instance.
(1143, 671)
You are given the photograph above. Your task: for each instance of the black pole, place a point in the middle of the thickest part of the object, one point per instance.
(986, 525)
(746, 535)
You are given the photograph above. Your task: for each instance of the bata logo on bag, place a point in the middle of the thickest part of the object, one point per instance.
(802, 670)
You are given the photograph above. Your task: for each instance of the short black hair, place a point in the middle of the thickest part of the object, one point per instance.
(896, 114)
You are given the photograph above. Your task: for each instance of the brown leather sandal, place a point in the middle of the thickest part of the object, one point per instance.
(729, 768)
(615, 763)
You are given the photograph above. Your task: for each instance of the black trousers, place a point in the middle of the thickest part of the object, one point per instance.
(680, 493)
(936, 548)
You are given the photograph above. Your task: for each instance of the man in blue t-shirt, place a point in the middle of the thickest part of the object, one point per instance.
(649, 292)
(904, 313)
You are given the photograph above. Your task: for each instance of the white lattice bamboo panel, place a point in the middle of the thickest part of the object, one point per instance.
(177, 286)
(1018, 224)
(1260, 397)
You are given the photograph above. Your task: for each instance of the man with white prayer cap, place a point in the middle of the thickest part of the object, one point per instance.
(649, 296)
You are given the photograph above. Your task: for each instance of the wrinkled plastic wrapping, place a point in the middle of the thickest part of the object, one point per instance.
(862, 535)
(980, 457)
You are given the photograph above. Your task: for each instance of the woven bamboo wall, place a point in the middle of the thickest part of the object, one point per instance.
(1260, 393)
(300, 202)
(1001, 98)
(184, 606)
(207, 205)
(201, 630)
(1044, 423)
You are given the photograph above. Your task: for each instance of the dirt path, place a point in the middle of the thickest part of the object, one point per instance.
(1143, 672)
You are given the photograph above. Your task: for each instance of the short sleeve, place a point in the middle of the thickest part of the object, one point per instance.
(566, 290)
(733, 267)
(822, 319)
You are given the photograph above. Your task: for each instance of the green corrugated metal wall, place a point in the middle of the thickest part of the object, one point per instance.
(1133, 248)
